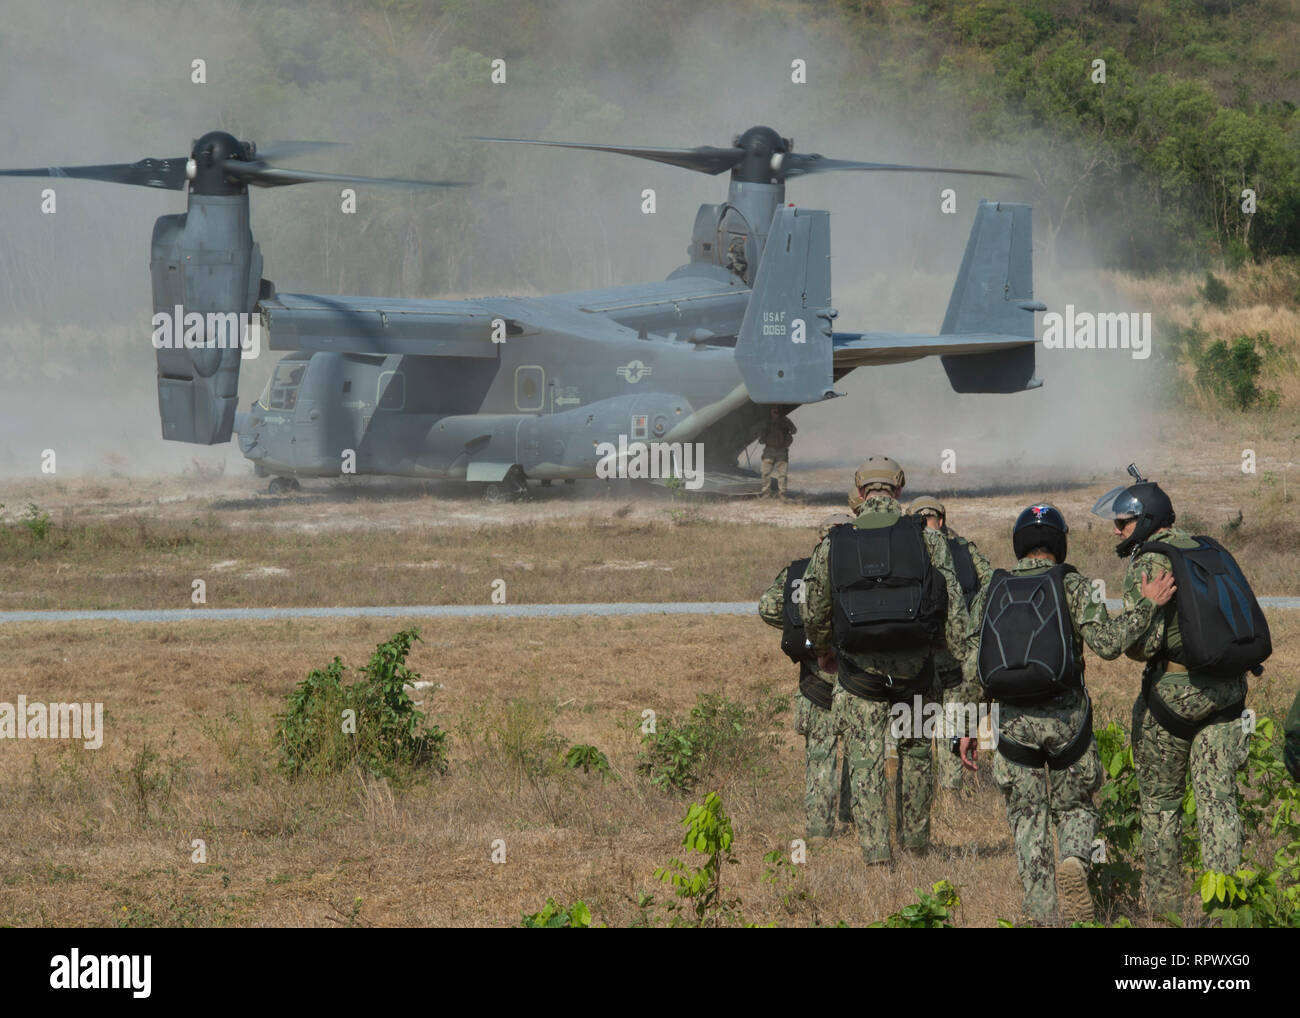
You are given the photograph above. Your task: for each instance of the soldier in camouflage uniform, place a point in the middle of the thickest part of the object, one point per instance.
(896, 676)
(1052, 727)
(1142, 513)
(973, 574)
(777, 435)
(811, 719)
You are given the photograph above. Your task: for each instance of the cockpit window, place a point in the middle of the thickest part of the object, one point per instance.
(282, 390)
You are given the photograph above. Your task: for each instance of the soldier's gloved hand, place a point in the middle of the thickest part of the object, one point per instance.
(827, 662)
(970, 749)
(1159, 590)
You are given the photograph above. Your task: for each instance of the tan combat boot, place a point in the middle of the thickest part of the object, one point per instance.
(1072, 890)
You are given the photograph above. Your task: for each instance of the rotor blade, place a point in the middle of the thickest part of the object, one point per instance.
(286, 149)
(258, 174)
(164, 173)
(705, 159)
(797, 164)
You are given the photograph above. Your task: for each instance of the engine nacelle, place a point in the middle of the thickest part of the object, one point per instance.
(206, 271)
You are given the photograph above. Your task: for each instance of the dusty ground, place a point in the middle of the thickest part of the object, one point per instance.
(105, 837)
(126, 542)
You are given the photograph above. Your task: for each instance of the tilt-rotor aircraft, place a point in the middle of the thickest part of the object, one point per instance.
(500, 391)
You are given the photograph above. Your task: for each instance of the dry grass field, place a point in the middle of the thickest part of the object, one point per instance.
(104, 837)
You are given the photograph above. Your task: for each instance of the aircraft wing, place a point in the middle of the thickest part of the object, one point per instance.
(382, 325)
(860, 349)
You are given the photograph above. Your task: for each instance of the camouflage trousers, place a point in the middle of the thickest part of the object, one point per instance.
(817, 726)
(1163, 760)
(1038, 798)
(951, 772)
(864, 725)
(775, 470)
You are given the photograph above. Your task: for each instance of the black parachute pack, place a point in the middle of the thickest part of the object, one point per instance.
(1026, 652)
(793, 641)
(1224, 632)
(887, 595)
(964, 565)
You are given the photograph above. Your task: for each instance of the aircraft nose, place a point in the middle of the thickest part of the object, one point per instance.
(243, 422)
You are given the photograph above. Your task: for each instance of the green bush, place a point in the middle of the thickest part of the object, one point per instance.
(1231, 373)
(932, 911)
(371, 723)
(701, 899)
(556, 917)
(37, 522)
(1215, 291)
(1116, 879)
(589, 758)
(718, 730)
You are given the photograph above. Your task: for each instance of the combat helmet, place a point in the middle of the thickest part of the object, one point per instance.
(834, 520)
(926, 505)
(1143, 501)
(1040, 526)
(879, 472)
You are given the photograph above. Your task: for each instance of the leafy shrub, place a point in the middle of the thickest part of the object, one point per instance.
(932, 911)
(1116, 879)
(675, 756)
(556, 917)
(1215, 291)
(589, 758)
(383, 733)
(1231, 373)
(699, 890)
(37, 522)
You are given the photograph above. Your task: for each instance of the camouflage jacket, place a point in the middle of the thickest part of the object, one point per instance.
(818, 607)
(776, 437)
(1108, 636)
(771, 608)
(1162, 633)
(771, 605)
(984, 573)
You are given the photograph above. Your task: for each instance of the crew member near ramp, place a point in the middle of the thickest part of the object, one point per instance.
(1189, 713)
(777, 435)
(1033, 621)
(782, 606)
(881, 596)
(973, 574)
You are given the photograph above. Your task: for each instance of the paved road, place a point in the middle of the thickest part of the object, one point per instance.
(436, 611)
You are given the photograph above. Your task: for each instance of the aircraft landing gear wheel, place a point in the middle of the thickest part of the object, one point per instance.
(280, 485)
(512, 488)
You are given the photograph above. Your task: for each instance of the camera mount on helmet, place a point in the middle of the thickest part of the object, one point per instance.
(1144, 502)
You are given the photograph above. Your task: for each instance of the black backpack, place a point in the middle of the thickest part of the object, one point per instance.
(1027, 652)
(968, 578)
(793, 641)
(1222, 625)
(887, 595)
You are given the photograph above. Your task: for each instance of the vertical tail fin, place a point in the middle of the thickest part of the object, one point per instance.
(784, 350)
(994, 293)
